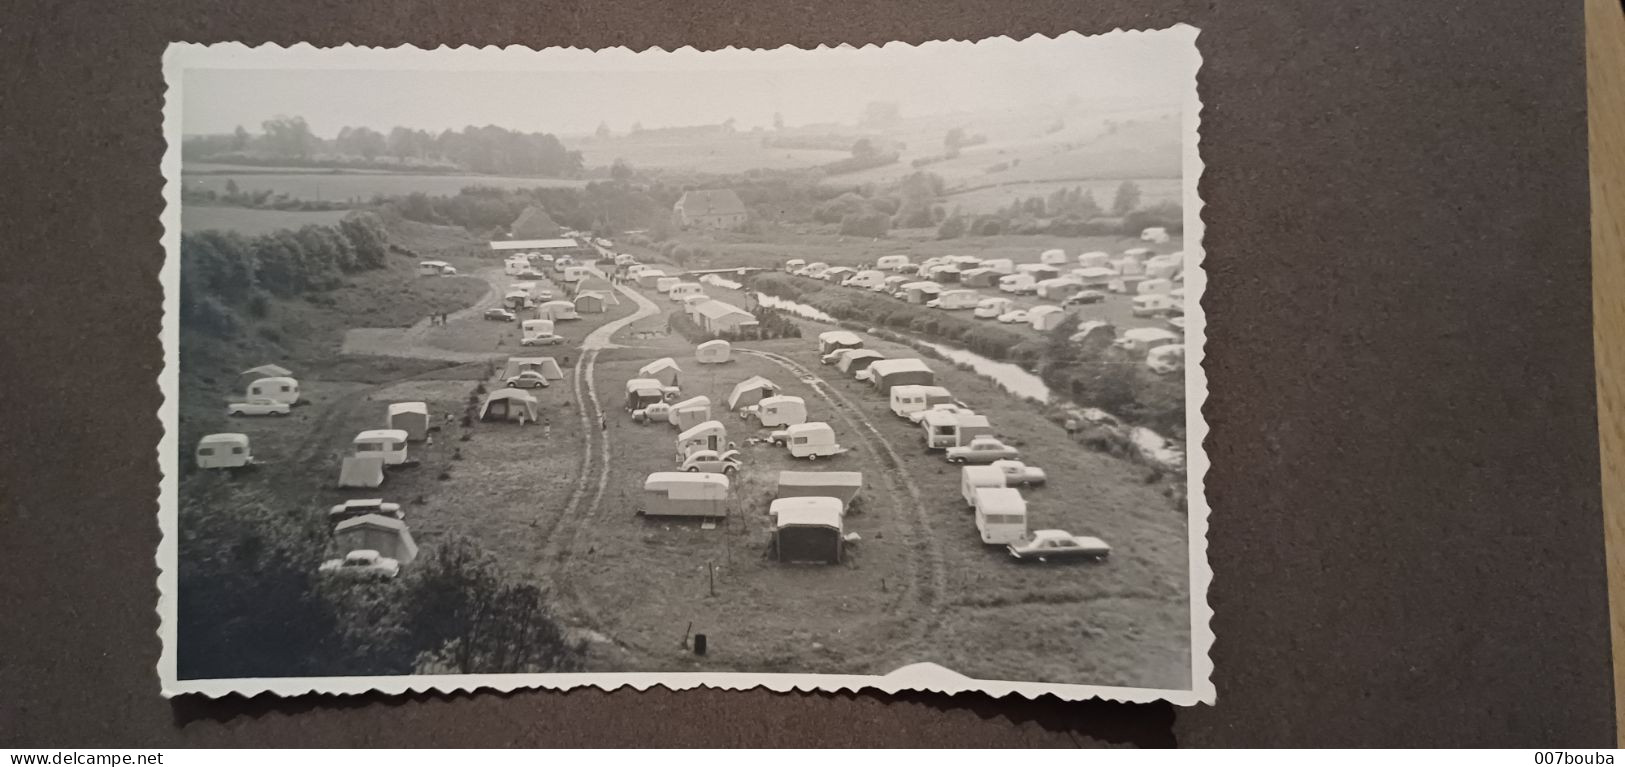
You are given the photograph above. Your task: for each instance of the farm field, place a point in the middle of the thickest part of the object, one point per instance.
(711, 153)
(251, 221)
(981, 199)
(359, 187)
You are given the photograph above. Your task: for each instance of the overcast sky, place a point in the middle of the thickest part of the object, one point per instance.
(571, 92)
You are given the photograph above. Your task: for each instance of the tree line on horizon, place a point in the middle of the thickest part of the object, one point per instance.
(290, 141)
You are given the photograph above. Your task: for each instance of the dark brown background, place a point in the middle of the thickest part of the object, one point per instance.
(1406, 531)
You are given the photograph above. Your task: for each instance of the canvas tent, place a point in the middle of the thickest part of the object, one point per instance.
(590, 302)
(885, 374)
(267, 371)
(386, 535)
(1045, 317)
(557, 310)
(547, 366)
(664, 370)
(361, 471)
(750, 391)
(838, 339)
(642, 392)
(516, 299)
(858, 359)
(807, 530)
(685, 494)
(508, 405)
(841, 485)
(714, 352)
(980, 277)
(410, 417)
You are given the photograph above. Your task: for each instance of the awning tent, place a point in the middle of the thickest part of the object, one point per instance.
(859, 359)
(386, 535)
(665, 370)
(361, 471)
(508, 405)
(410, 417)
(750, 391)
(267, 371)
(807, 530)
(547, 366)
(841, 485)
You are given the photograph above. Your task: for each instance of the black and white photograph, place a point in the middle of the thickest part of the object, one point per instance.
(836, 368)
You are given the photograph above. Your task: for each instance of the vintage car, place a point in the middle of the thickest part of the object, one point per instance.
(362, 563)
(499, 314)
(658, 412)
(1058, 546)
(362, 507)
(1018, 473)
(1017, 316)
(947, 407)
(529, 379)
(712, 462)
(982, 450)
(531, 274)
(257, 406)
(1084, 297)
(542, 339)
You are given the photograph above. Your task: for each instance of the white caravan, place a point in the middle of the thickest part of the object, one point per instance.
(955, 299)
(684, 290)
(867, 278)
(223, 451)
(1019, 283)
(387, 444)
(777, 411)
(1001, 515)
(911, 398)
(809, 440)
(991, 308)
(973, 478)
(280, 389)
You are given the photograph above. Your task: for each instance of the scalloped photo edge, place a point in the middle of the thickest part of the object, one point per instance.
(924, 676)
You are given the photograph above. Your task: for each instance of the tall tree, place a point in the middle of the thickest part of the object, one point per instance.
(1128, 198)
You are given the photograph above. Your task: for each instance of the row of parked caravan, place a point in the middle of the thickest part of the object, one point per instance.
(1154, 281)
(991, 470)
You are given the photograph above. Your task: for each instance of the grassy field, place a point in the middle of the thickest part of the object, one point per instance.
(983, 199)
(657, 573)
(917, 586)
(249, 221)
(1125, 622)
(359, 187)
(716, 153)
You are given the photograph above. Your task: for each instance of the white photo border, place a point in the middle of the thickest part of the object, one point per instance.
(923, 676)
